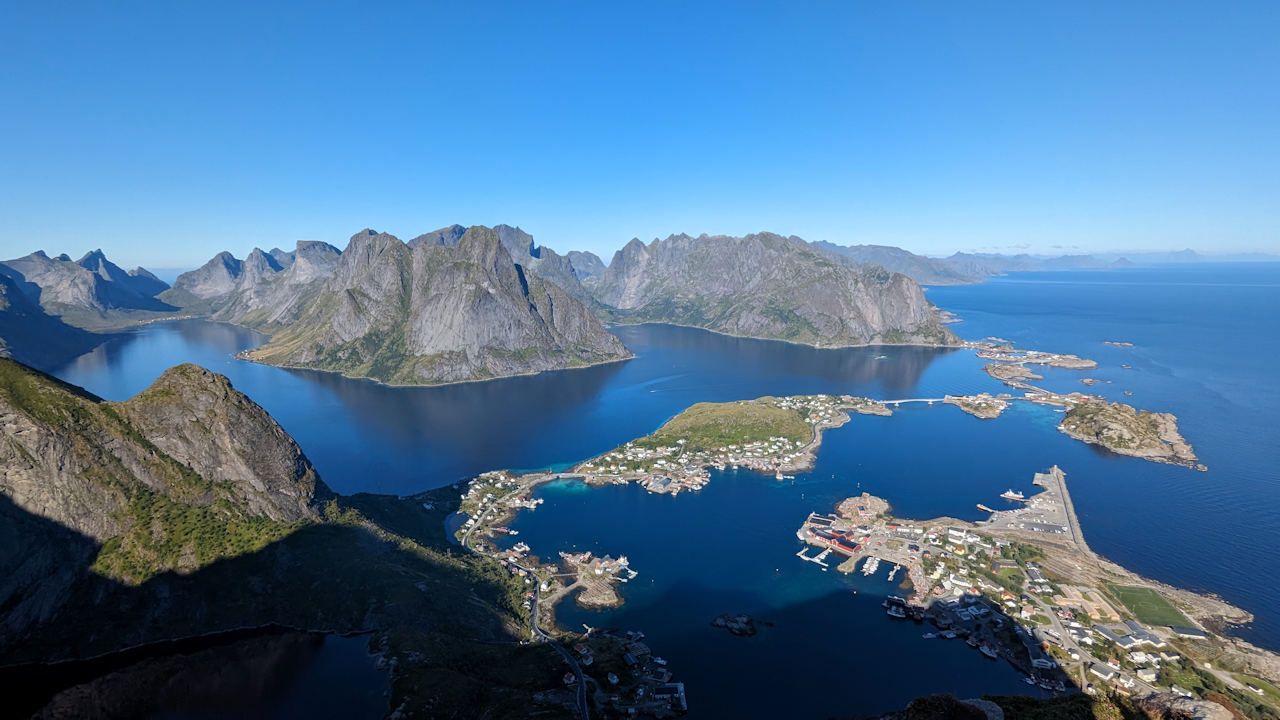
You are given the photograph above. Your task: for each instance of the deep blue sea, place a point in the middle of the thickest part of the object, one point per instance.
(1205, 342)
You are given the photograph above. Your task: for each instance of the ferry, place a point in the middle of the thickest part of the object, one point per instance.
(896, 611)
(1011, 495)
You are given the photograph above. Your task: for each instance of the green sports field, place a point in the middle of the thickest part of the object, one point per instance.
(1148, 606)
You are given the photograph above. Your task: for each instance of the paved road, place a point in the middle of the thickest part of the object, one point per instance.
(580, 696)
(584, 711)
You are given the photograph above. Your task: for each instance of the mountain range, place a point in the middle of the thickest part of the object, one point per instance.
(765, 286)
(426, 313)
(91, 292)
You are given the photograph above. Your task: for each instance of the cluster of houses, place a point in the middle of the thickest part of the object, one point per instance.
(648, 691)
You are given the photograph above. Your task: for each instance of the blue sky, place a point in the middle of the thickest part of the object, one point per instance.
(164, 132)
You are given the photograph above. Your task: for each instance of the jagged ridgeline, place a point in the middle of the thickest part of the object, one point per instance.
(448, 306)
(187, 510)
(460, 304)
(765, 286)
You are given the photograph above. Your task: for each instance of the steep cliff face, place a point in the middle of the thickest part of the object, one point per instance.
(201, 290)
(191, 437)
(265, 291)
(542, 261)
(268, 296)
(186, 473)
(30, 335)
(765, 286)
(437, 313)
(586, 265)
(197, 418)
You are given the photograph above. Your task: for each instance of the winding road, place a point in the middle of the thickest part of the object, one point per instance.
(540, 635)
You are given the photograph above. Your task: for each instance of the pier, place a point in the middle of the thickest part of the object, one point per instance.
(819, 559)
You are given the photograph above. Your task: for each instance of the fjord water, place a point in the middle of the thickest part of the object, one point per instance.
(1205, 338)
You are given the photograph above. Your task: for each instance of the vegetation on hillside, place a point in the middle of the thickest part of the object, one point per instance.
(709, 426)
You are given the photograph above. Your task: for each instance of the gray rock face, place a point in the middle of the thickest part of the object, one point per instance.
(31, 336)
(73, 458)
(924, 270)
(437, 313)
(444, 236)
(282, 258)
(765, 286)
(197, 418)
(542, 261)
(586, 265)
(264, 291)
(147, 283)
(214, 279)
(77, 472)
(92, 283)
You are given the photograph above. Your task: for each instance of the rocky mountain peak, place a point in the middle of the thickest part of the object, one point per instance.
(198, 418)
(517, 242)
(447, 236)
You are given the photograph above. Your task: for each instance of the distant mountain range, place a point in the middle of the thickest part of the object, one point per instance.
(91, 292)
(460, 303)
(963, 268)
(47, 304)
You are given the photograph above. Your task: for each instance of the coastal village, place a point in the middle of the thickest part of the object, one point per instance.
(1000, 587)
(991, 585)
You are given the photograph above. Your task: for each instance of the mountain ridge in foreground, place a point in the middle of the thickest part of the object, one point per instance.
(187, 510)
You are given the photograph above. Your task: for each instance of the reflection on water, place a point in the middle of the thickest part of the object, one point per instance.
(278, 675)
(463, 415)
(848, 365)
(369, 437)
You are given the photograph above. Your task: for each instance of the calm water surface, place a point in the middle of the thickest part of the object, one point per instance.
(1205, 342)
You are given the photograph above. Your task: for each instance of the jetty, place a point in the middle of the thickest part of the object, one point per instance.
(819, 559)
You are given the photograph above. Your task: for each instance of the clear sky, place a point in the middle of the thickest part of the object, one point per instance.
(166, 131)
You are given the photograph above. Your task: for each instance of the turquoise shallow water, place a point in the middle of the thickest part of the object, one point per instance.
(1205, 342)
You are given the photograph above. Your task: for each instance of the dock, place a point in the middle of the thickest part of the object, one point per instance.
(819, 559)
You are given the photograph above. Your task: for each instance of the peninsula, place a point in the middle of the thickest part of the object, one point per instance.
(1023, 586)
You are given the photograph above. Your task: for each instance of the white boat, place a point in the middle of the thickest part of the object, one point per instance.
(929, 636)
(1011, 495)
(896, 612)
